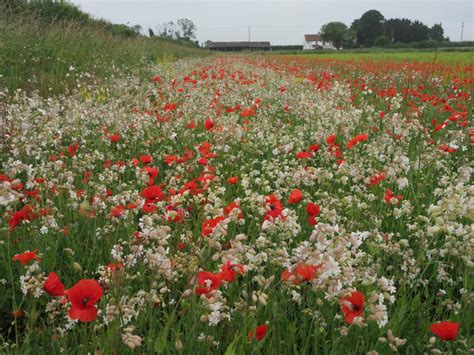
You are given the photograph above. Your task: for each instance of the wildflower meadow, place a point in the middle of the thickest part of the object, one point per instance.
(275, 204)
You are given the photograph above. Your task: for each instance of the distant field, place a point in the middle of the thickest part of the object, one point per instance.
(423, 56)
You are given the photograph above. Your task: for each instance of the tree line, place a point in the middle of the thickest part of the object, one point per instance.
(183, 30)
(373, 30)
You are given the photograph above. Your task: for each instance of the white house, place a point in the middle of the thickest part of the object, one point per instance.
(314, 42)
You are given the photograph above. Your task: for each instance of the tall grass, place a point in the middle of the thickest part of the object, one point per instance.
(48, 57)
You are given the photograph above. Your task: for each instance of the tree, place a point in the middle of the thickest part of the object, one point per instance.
(405, 31)
(369, 27)
(381, 41)
(350, 40)
(137, 29)
(419, 31)
(187, 29)
(168, 30)
(436, 32)
(335, 32)
(183, 29)
(398, 30)
(151, 33)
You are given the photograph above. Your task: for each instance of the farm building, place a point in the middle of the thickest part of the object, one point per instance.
(238, 46)
(314, 41)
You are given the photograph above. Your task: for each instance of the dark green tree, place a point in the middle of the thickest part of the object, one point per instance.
(368, 27)
(418, 31)
(335, 32)
(398, 30)
(436, 32)
(381, 41)
(350, 40)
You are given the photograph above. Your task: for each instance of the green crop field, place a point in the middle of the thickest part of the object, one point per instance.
(453, 57)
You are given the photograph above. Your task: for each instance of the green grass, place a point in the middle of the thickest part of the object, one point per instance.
(449, 57)
(54, 57)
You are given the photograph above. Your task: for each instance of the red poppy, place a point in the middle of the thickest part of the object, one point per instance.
(170, 107)
(83, 296)
(207, 281)
(17, 314)
(356, 140)
(25, 214)
(300, 274)
(352, 306)
(53, 286)
(230, 207)
(274, 208)
(233, 180)
(230, 271)
(248, 112)
(312, 220)
(208, 226)
(304, 155)
(314, 147)
(313, 209)
(16, 185)
(376, 179)
(114, 138)
(445, 330)
(72, 149)
(146, 159)
(331, 140)
(169, 159)
(112, 267)
(260, 332)
(446, 148)
(149, 208)
(152, 173)
(153, 194)
(117, 211)
(208, 124)
(26, 257)
(391, 198)
(203, 161)
(295, 196)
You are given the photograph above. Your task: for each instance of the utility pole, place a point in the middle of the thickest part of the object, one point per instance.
(249, 38)
(462, 30)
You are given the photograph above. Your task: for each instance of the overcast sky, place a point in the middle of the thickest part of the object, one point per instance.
(280, 22)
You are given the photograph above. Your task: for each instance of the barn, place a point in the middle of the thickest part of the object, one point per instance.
(238, 46)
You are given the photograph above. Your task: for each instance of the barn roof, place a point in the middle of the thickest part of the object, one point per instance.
(312, 38)
(239, 44)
